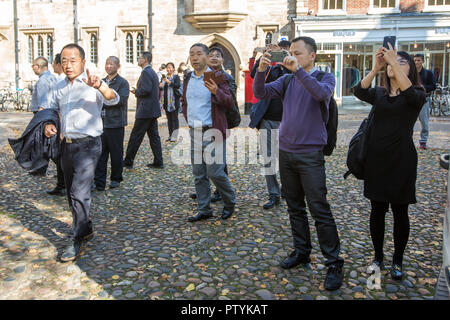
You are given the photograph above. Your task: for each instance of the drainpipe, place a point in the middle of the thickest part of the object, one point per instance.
(75, 21)
(16, 43)
(150, 36)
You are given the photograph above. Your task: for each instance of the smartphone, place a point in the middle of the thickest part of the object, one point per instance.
(389, 39)
(278, 56)
(208, 76)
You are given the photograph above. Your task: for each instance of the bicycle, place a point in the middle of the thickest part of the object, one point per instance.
(440, 101)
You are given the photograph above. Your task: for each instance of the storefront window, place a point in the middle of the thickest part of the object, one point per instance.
(357, 63)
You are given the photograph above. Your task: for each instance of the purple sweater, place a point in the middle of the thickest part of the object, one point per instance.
(302, 128)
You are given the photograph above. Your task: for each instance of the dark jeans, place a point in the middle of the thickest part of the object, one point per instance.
(303, 175)
(112, 144)
(401, 229)
(172, 122)
(60, 175)
(140, 128)
(78, 161)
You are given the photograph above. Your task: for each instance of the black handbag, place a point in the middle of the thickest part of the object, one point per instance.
(357, 149)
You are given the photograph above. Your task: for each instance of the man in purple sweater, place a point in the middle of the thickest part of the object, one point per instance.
(302, 166)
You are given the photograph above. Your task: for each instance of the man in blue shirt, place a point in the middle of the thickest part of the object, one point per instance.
(42, 93)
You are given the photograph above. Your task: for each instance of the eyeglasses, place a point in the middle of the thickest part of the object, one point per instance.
(402, 62)
(218, 56)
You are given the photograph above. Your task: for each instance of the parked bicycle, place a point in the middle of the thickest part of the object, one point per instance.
(440, 101)
(18, 99)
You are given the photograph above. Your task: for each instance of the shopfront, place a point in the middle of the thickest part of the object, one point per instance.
(347, 46)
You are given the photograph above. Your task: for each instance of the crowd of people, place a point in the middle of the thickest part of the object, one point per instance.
(288, 96)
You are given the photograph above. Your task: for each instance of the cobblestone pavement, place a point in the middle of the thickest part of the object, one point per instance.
(144, 248)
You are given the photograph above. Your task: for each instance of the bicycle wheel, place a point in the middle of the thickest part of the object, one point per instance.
(434, 106)
(445, 106)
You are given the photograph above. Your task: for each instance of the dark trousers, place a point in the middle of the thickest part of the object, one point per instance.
(140, 128)
(303, 175)
(112, 144)
(172, 122)
(60, 175)
(401, 229)
(78, 161)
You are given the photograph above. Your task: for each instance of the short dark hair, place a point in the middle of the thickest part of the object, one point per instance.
(41, 61)
(147, 55)
(217, 49)
(57, 59)
(420, 55)
(171, 63)
(310, 43)
(201, 45)
(116, 60)
(284, 43)
(75, 46)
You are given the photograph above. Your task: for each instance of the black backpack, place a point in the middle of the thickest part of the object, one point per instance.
(357, 149)
(233, 115)
(332, 123)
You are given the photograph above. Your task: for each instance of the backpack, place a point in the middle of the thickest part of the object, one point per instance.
(332, 123)
(233, 115)
(357, 149)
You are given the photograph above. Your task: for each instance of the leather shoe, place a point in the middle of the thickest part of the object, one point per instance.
(89, 236)
(200, 216)
(216, 197)
(193, 196)
(128, 166)
(396, 272)
(153, 165)
(95, 188)
(227, 212)
(71, 252)
(57, 192)
(37, 174)
(273, 201)
(333, 280)
(294, 259)
(114, 184)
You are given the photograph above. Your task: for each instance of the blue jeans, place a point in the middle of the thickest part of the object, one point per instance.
(424, 116)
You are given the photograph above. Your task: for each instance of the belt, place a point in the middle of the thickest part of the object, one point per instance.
(204, 128)
(79, 140)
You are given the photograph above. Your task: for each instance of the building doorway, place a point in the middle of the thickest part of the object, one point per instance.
(228, 64)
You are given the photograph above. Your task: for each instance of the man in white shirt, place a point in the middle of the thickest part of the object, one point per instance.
(79, 99)
(60, 189)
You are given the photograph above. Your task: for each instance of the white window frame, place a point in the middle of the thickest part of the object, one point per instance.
(373, 10)
(428, 8)
(332, 12)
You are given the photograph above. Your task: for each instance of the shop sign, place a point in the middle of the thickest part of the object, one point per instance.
(343, 33)
(442, 30)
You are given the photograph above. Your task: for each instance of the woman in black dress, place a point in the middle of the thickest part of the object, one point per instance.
(170, 99)
(391, 163)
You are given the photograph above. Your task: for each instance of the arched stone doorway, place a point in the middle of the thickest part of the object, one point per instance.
(232, 59)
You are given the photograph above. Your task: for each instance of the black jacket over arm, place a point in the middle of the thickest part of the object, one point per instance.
(427, 79)
(33, 149)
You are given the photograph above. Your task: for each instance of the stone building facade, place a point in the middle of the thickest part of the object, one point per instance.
(347, 32)
(121, 28)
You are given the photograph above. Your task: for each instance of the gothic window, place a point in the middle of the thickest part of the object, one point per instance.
(129, 48)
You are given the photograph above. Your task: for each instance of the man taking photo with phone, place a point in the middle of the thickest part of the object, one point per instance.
(303, 136)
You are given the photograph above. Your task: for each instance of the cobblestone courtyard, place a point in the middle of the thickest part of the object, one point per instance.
(144, 249)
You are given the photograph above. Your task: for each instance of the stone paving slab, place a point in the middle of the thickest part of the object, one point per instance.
(145, 249)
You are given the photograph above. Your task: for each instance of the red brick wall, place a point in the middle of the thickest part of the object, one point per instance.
(362, 6)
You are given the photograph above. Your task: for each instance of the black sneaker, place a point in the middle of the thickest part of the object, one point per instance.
(72, 251)
(216, 197)
(293, 260)
(396, 272)
(333, 280)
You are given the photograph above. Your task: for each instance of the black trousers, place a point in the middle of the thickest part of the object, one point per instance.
(303, 175)
(60, 175)
(112, 144)
(172, 121)
(140, 128)
(78, 161)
